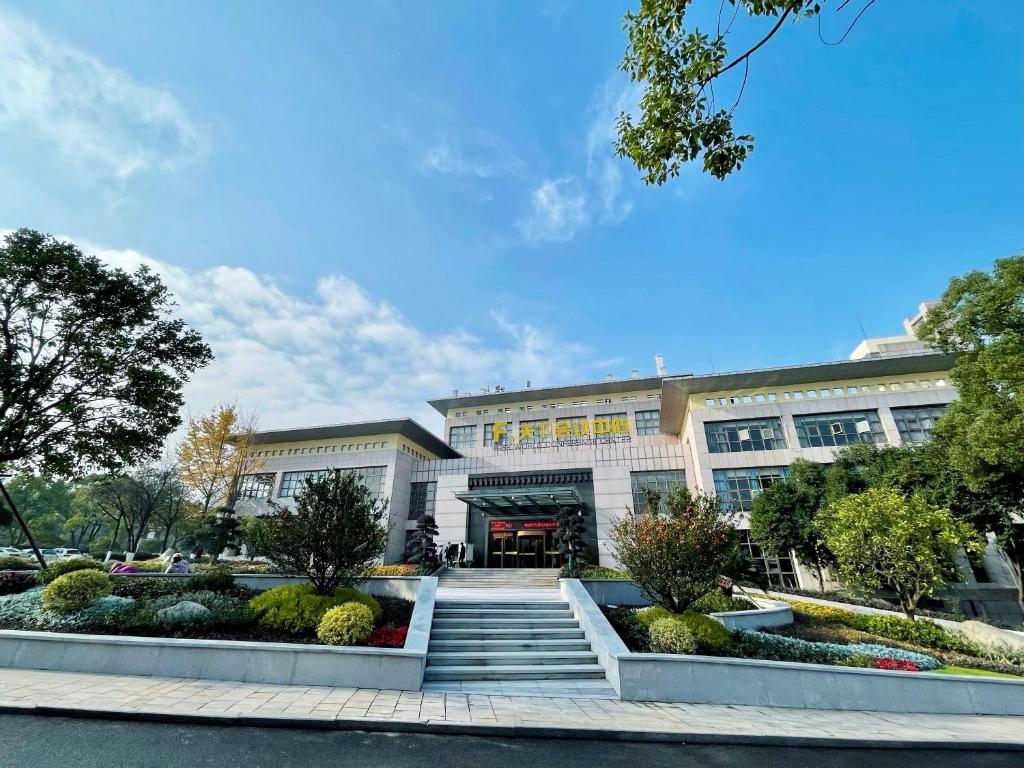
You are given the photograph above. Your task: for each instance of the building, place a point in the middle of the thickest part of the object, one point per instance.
(511, 458)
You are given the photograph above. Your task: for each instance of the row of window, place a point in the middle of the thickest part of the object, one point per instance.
(413, 452)
(812, 394)
(261, 485)
(661, 482)
(915, 424)
(539, 430)
(421, 500)
(371, 446)
(551, 406)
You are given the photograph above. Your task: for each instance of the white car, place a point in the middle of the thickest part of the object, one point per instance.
(64, 553)
(14, 551)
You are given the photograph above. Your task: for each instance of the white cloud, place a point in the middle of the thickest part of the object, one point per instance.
(560, 208)
(442, 158)
(488, 158)
(557, 211)
(341, 354)
(96, 115)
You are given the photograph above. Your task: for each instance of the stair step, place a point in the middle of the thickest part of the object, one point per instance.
(533, 633)
(445, 645)
(506, 623)
(458, 605)
(517, 672)
(509, 658)
(499, 613)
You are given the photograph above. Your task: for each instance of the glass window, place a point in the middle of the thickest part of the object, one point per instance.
(372, 479)
(647, 422)
(662, 482)
(781, 570)
(258, 486)
(917, 424)
(827, 430)
(489, 435)
(421, 500)
(736, 488)
(748, 435)
(461, 438)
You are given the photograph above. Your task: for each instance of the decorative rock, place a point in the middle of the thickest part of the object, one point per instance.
(986, 634)
(183, 612)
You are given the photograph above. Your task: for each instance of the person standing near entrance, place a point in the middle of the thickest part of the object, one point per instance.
(462, 555)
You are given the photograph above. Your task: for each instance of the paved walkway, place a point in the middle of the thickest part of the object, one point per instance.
(44, 692)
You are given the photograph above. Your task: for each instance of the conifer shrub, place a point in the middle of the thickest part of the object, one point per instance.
(345, 624)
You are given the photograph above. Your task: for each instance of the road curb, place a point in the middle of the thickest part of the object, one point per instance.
(507, 731)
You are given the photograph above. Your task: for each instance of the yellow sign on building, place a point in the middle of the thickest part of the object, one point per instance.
(565, 429)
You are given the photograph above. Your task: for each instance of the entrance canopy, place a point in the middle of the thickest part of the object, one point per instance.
(522, 500)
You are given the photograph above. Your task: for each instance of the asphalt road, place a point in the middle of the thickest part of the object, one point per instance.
(41, 742)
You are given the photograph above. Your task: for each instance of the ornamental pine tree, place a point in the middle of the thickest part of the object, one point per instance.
(570, 539)
(422, 551)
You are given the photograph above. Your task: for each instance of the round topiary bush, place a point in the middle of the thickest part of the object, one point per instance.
(297, 608)
(75, 591)
(59, 568)
(671, 636)
(346, 624)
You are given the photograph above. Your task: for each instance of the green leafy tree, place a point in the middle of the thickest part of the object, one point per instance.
(45, 504)
(130, 500)
(784, 517)
(883, 539)
(677, 557)
(92, 363)
(681, 119)
(336, 534)
(213, 533)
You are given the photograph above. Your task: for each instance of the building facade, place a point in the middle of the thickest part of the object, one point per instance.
(510, 460)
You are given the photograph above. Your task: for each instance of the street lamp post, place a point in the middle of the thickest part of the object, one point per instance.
(21, 521)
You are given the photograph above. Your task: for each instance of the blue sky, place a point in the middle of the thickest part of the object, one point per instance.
(362, 205)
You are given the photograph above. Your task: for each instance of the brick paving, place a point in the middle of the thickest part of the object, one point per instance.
(172, 696)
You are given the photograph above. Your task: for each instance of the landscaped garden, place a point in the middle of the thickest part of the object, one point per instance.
(676, 557)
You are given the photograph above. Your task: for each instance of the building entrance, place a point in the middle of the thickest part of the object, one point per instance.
(527, 548)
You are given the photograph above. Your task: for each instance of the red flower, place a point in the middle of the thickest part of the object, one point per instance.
(387, 637)
(896, 664)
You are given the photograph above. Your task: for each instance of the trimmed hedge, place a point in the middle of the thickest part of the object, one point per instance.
(671, 636)
(75, 591)
(147, 588)
(59, 568)
(345, 624)
(217, 580)
(299, 609)
(15, 563)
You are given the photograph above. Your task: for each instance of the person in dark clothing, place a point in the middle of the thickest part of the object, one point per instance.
(462, 555)
(450, 554)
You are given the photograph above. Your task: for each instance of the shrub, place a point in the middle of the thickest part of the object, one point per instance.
(648, 616)
(824, 612)
(147, 588)
(59, 568)
(923, 633)
(600, 572)
(15, 563)
(395, 611)
(625, 622)
(217, 580)
(388, 637)
(18, 611)
(402, 569)
(13, 582)
(863, 661)
(707, 633)
(719, 602)
(298, 608)
(762, 645)
(677, 557)
(225, 612)
(184, 613)
(75, 591)
(149, 566)
(671, 636)
(345, 624)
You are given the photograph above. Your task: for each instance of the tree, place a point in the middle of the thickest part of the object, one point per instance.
(173, 510)
(680, 118)
(216, 453)
(422, 551)
(213, 533)
(570, 539)
(45, 505)
(335, 535)
(784, 517)
(131, 499)
(678, 556)
(883, 539)
(92, 364)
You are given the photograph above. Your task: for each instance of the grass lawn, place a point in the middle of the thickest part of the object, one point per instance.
(974, 672)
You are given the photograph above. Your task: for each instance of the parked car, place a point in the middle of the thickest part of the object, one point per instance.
(11, 551)
(65, 553)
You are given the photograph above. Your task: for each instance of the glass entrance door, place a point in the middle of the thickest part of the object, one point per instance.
(501, 551)
(531, 549)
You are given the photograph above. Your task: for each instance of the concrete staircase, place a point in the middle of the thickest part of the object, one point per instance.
(508, 641)
(498, 578)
